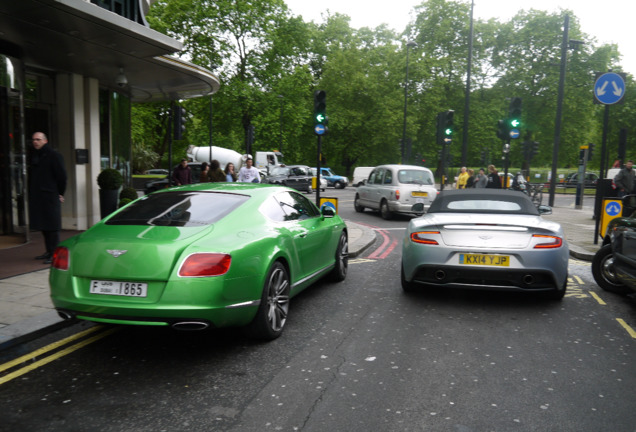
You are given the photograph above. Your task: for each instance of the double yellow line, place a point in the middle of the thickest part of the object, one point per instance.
(56, 355)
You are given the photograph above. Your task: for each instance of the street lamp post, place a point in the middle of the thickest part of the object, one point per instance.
(409, 44)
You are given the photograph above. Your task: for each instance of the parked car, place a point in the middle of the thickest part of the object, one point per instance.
(395, 189)
(614, 264)
(360, 175)
(489, 239)
(590, 180)
(157, 171)
(199, 256)
(294, 176)
(323, 181)
(155, 185)
(334, 180)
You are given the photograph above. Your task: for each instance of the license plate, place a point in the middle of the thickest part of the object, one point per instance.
(419, 194)
(484, 259)
(129, 289)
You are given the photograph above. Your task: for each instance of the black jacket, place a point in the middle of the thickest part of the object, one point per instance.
(47, 181)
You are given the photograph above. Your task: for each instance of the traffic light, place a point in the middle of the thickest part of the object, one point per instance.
(502, 130)
(179, 122)
(514, 113)
(445, 127)
(320, 112)
(534, 150)
(590, 151)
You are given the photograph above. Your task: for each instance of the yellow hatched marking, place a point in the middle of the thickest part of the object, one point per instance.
(597, 298)
(630, 330)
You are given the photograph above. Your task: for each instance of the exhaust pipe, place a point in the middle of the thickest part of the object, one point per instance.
(190, 325)
(440, 274)
(65, 315)
(528, 279)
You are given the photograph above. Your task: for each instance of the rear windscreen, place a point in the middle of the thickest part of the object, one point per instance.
(179, 208)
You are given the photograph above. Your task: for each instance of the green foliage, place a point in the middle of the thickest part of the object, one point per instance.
(270, 63)
(123, 202)
(110, 179)
(129, 193)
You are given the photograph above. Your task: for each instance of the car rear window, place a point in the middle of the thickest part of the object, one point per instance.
(486, 202)
(179, 209)
(415, 177)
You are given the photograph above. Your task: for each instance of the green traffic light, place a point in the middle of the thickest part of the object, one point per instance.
(515, 123)
(448, 131)
(320, 118)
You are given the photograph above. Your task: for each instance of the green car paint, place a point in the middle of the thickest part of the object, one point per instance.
(147, 242)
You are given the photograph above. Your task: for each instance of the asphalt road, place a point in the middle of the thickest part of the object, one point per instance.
(356, 356)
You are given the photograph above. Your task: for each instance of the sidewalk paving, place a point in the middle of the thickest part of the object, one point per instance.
(26, 310)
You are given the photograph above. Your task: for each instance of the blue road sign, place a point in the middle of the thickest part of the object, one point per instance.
(609, 88)
(612, 208)
(320, 129)
(514, 133)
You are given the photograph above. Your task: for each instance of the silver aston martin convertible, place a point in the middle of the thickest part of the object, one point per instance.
(489, 239)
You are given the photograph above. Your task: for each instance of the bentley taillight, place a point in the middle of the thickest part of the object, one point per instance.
(205, 264)
(60, 258)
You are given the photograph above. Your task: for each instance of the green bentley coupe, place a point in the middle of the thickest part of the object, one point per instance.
(199, 256)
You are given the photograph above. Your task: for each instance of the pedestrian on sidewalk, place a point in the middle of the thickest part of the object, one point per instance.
(47, 185)
(624, 180)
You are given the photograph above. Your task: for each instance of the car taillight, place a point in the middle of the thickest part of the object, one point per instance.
(60, 258)
(205, 264)
(547, 241)
(397, 194)
(424, 237)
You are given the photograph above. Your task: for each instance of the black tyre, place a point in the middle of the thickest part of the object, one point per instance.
(339, 272)
(357, 206)
(310, 190)
(603, 271)
(384, 210)
(338, 185)
(406, 285)
(270, 319)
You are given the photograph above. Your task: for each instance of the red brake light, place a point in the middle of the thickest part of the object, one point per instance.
(205, 264)
(60, 258)
(397, 194)
(423, 237)
(551, 242)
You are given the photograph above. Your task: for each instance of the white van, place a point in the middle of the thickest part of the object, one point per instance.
(360, 175)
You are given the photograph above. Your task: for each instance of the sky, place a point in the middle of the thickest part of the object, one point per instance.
(609, 21)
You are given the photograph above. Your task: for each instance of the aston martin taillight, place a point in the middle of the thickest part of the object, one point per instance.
(60, 258)
(547, 241)
(205, 264)
(425, 237)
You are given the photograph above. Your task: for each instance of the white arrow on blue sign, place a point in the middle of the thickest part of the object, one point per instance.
(320, 129)
(609, 88)
(514, 133)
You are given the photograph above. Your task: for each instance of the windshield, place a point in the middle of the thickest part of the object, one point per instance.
(278, 171)
(409, 176)
(179, 208)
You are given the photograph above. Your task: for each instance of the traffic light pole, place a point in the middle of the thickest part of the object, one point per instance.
(318, 171)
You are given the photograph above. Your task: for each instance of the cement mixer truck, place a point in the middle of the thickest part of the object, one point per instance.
(263, 160)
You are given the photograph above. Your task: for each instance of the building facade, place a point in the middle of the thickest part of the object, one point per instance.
(72, 69)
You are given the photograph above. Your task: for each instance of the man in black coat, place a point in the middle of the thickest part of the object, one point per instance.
(46, 193)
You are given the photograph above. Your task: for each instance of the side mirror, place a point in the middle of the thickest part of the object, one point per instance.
(327, 212)
(544, 210)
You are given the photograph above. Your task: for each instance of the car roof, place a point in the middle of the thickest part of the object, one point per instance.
(439, 205)
(400, 166)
